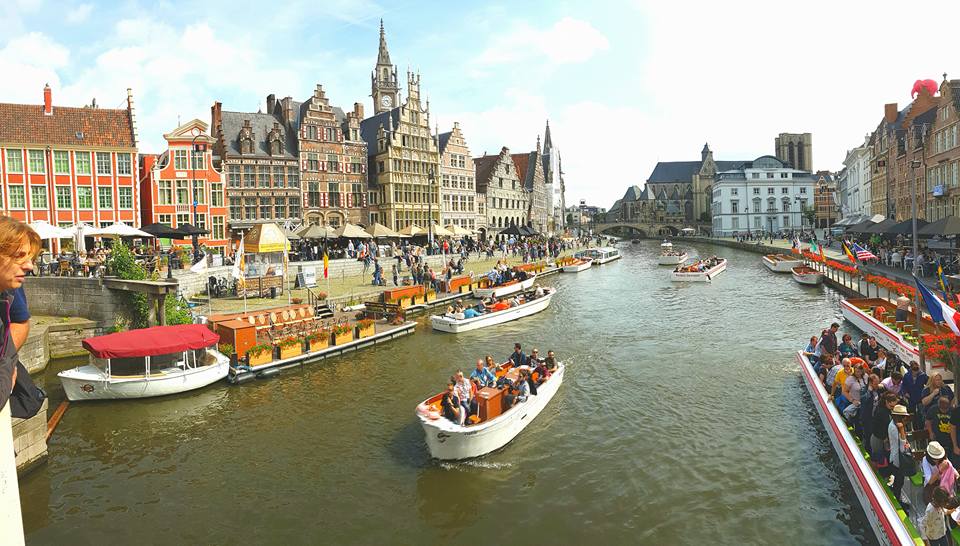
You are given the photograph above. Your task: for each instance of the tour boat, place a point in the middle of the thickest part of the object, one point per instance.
(877, 316)
(781, 263)
(450, 441)
(577, 266)
(691, 273)
(533, 304)
(149, 362)
(505, 289)
(672, 257)
(807, 275)
(666, 245)
(599, 256)
(887, 521)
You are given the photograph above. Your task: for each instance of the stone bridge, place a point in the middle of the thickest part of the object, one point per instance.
(642, 229)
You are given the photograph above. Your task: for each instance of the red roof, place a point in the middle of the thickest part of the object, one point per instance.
(159, 340)
(521, 161)
(102, 127)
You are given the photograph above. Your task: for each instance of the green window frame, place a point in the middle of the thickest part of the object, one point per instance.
(64, 197)
(82, 160)
(105, 197)
(38, 196)
(84, 197)
(61, 162)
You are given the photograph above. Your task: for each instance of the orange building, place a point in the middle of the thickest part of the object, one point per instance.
(181, 186)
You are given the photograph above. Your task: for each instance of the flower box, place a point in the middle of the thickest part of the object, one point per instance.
(260, 355)
(340, 339)
(404, 302)
(430, 296)
(319, 343)
(365, 328)
(291, 351)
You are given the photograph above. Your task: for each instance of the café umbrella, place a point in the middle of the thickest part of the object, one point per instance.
(945, 226)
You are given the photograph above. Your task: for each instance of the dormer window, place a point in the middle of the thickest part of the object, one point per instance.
(245, 138)
(275, 140)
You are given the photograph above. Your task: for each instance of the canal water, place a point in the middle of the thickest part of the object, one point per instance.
(682, 420)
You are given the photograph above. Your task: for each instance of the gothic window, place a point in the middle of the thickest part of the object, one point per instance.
(386, 74)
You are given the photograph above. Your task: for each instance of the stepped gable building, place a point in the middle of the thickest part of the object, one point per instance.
(403, 162)
(181, 185)
(333, 162)
(258, 153)
(796, 149)
(530, 172)
(684, 189)
(457, 181)
(500, 187)
(943, 155)
(67, 165)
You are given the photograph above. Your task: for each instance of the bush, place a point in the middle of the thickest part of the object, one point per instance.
(176, 311)
(125, 266)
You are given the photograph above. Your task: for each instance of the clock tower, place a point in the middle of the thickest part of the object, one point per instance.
(383, 80)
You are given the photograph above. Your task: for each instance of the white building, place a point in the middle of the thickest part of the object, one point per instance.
(856, 198)
(765, 195)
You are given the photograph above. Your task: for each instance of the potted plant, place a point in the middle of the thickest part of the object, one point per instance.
(290, 346)
(342, 333)
(321, 296)
(431, 295)
(225, 348)
(296, 301)
(365, 328)
(260, 354)
(319, 339)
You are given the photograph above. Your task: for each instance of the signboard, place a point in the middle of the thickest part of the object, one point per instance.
(938, 190)
(307, 277)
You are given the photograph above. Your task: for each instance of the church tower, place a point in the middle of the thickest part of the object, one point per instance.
(383, 80)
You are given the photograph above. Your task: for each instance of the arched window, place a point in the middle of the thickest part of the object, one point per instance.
(386, 74)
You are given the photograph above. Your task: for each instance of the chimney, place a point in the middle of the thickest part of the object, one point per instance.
(288, 114)
(358, 110)
(47, 100)
(890, 112)
(271, 102)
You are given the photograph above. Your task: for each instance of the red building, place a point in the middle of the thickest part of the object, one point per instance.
(67, 165)
(181, 185)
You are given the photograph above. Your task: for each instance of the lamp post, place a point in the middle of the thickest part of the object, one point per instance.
(914, 163)
(193, 185)
(430, 178)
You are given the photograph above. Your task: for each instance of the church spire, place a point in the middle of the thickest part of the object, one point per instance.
(383, 58)
(547, 143)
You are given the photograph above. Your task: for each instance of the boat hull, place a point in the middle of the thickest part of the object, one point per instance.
(448, 441)
(781, 266)
(607, 259)
(500, 291)
(886, 337)
(881, 513)
(701, 276)
(808, 278)
(89, 383)
(456, 326)
(672, 260)
(577, 267)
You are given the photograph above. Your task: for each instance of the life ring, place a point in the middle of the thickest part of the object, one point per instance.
(857, 361)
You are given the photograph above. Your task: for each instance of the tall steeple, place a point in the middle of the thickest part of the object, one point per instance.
(385, 89)
(547, 143)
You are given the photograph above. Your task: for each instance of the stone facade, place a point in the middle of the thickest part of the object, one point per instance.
(943, 156)
(683, 190)
(333, 161)
(458, 187)
(855, 198)
(796, 149)
(766, 195)
(530, 172)
(502, 190)
(826, 200)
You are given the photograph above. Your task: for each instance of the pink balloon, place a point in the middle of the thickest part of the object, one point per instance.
(930, 85)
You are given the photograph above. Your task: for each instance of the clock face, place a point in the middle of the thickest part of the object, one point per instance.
(386, 100)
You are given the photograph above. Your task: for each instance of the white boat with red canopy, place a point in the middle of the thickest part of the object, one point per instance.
(145, 363)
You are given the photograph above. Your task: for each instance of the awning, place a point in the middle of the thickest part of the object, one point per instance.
(906, 227)
(48, 231)
(882, 227)
(159, 340)
(265, 238)
(351, 231)
(945, 226)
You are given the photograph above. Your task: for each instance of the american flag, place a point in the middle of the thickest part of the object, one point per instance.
(862, 253)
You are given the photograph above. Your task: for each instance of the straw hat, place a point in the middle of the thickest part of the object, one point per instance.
(935, 450)
(900, 410)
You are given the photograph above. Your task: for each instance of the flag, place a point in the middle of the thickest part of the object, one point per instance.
(326, 263)
(237, 271)
(862, 253)
(943, 281)
(846, 250)
(201, 266)
(939, 311)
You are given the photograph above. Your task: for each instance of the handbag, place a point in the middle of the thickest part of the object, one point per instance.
(27, 398)
(908, 465)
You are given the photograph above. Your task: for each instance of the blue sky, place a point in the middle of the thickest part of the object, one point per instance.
(624, 83)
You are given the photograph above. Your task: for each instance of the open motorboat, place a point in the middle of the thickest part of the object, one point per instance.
(672, 257)
(449, 441)
(504, 289)
(577, 265)
(149, 362)
(600, 255)
(781, 263)
(807, 275)
(666, 245)
(700, 271)
(530, 304)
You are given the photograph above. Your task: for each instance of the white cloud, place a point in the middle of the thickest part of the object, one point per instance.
(569, 40)
(30, 61)
(79, 14)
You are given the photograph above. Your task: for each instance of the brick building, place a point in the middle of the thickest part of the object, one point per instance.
(258, 154)
(943, 155)
(826, 201)
(333, 162)
(67, 165)
(457, 181)
(182, 186)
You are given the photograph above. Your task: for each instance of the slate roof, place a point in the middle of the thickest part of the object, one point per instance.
(443, 139)
(633, 193)
(370, 126)
(262, 124)
(26, 124)
(683, 171)
(484, 166)
(617, 205)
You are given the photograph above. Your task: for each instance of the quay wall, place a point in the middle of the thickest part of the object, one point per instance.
(76, 297)
(30, 440)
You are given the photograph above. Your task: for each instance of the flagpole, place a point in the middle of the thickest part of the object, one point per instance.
(913, 224)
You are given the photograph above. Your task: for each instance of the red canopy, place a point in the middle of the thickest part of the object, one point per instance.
(159, 340)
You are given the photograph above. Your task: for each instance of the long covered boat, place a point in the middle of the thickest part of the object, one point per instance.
(875, 316)
(577, 265)
(699, 271)
(890, 524)
(781, 263)
(532, 304)
(600, 255)
(505, 289)
(145, 363)
(450, 441)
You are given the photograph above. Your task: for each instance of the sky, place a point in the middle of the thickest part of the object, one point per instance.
(624, 83)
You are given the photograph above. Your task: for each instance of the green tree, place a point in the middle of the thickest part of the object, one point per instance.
(123, 264)
(810, 215)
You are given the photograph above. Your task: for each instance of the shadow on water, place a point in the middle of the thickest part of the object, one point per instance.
(408, 448)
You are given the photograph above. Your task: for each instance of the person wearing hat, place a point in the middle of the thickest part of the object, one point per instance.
(938, 422)
(899, 446)
(937, 470)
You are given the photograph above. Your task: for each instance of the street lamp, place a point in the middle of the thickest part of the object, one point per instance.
(913, 224)
(431, 178)
(193, 182)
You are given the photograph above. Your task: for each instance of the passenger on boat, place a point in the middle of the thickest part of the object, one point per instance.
(482, 375)
(868, 404)
(535, 357)
(450, 406)
(458, 306)
(499, 306)
(897, 436)
(869, 350)
(937, 422)
(464, 393)
(471, 312)
(551, 362)
(938, 471)
(933, 391)
(812, 352)
(879, 436)
(893, 382)
(518, 357)
(839, 379)
(932, 525)
(846, 348)
(853, 388)
(831, 374)
(827, 365)
(913, 385)
(523, 390)
(538, 292)
(903, 306)
(882, 363)
(828, 341)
